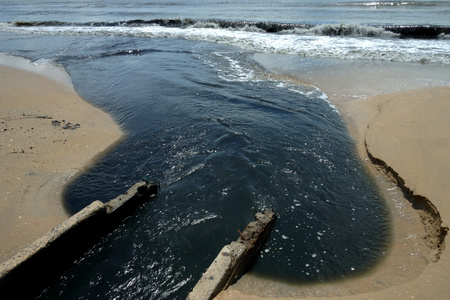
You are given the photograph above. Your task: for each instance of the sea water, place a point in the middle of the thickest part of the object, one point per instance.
(223, 136)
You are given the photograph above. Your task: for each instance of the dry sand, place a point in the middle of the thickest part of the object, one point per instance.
(48, 134)
(400, 122)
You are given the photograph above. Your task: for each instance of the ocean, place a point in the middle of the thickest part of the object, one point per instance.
(223, 135)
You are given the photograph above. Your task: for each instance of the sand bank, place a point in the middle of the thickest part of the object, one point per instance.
(398, 117)
(48, 134)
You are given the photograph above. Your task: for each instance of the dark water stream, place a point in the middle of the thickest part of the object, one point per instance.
(223, 147)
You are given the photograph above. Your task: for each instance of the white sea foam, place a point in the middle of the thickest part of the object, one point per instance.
(204, 219)
(44, 61)
(312, 93)
(307, 45)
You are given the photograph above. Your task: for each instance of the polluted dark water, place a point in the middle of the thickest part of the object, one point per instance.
(224, 144)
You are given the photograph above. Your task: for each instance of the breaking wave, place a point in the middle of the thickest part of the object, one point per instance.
(410, 31)
(412, 4)
(418, 44)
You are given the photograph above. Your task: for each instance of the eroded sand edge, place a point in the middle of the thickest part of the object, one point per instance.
(401, 133)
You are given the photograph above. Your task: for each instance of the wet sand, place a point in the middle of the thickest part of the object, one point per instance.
(48, 135)
(398, 117)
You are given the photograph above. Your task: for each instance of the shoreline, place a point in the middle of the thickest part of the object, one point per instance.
(373, 99)
(48, 135)
(44, 145)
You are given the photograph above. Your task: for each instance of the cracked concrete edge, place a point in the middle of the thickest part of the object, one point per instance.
(94, 210)
(234, 259)
(219, 272)
(56, 250)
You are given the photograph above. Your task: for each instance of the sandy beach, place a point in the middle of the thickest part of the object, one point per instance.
(48, 134)
(398, 117)
(399, 122)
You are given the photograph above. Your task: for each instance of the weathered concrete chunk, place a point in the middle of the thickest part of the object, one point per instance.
(30, 254)
(56, 251)
(218, 273)
(234, 259)
(132, 198)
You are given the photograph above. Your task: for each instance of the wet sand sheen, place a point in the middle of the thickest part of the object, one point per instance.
(48, 134)
(402, 136)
